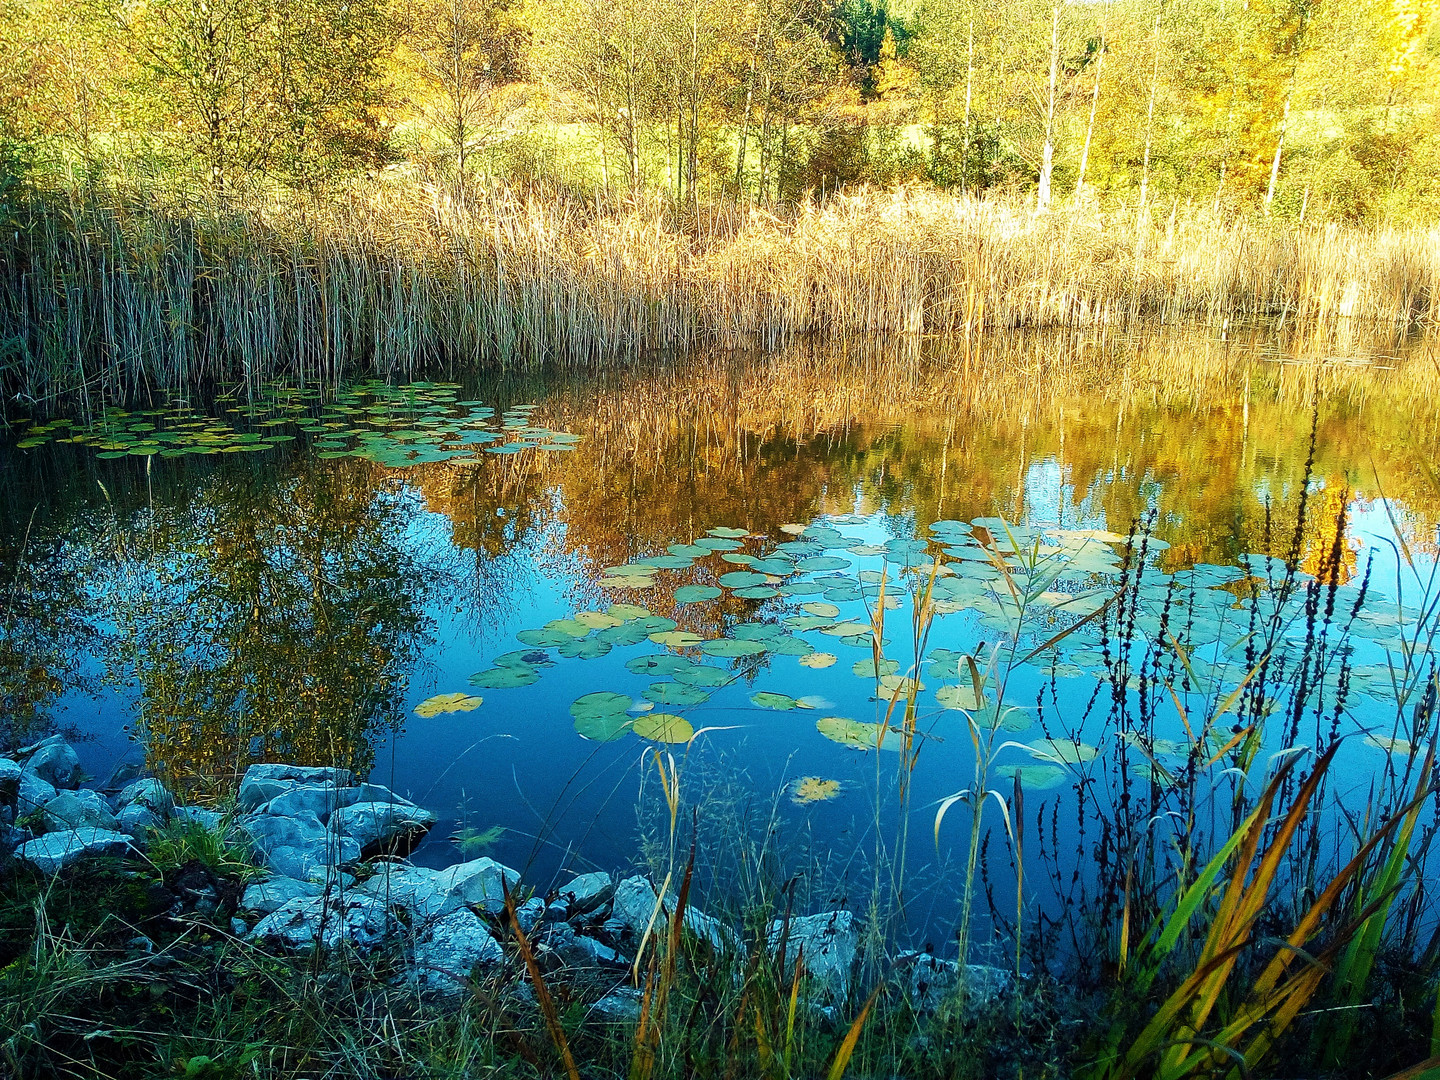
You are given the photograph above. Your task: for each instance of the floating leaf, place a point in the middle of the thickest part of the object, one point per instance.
(962, 696)
(857, 734)
(677, 639)
(689, 551)
(604, 728)
(690, 594)
(741, 579)
(627, 611)
(598, 620)
(819, 608)
(703, 675)
(524, 658)
(503, 677)
(899, 685)
(813, 789)
(822, 562)
(600, 703)
(728, 533)
(1036, 777)
(715, 543)
(791, 529)
(583, 649)
(663, 727)
(1062, 750)
(448, 703)
(572, 627)
(732, 647)
(869, 669)
(818, 660)
(658, 664)
(756, 592)
(675, 693)
(767, 699)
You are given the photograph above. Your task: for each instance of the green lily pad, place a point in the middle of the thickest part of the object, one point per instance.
(584, 648)
(628, 611)
(1038, 777)
(869, 669)
(500, 677)
(741, 579)
(756, 592)
(600, 703)
(961, 696)
(604, 728)
(690, 594)
(728, 533)
(732, 647)
(767, 699)
(658, 664)
(663, 727)
(676, 639)
(704, 675)
(856, 734)
(675, 693)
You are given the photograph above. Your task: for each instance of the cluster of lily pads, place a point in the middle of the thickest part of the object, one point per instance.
(396, 426)
(815, 588)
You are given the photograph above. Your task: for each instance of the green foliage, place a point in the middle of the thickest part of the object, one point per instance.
(177, 844)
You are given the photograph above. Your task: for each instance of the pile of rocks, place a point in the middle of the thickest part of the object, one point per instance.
(334, 850)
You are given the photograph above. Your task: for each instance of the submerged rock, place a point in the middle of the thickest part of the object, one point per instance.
(450, 949)
(831, 944)
(76, 810)
(55, 850)
(328, 921)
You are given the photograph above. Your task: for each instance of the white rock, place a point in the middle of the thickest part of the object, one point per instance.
(136, 819)
(261, 783)
(416, 890)
(449, 951)
(270, 895)
(313, 863)
(53, 761)
(384, 826)
(932, 980)
(33, 793)
(10, 773)
(149, 793)
(620, 1006)
(198, 815)
(634, 903)
(587, 892)
(55, 850)
(478, 881)
(319, 800)
(302, 923)
(83, 809)
(831, 944)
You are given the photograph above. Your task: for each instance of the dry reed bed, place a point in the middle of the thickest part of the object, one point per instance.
(112, 297)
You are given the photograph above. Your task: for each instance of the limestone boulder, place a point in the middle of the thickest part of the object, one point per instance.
(80, 809)
(149, 793)
(634, 903)
(56, 850)
(831, 945)
(327, 921)
(420, 892)
(54, 761)
(382, 826)
(265, 897)
(450, 950)
(587, 893)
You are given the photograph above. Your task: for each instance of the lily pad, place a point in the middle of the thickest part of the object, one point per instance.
(675, 693)
(658, 664)
(818, 660)
(856, 734)
(704, 675)
(677, 639)
(504, 677)
(821, 609)
(663, 727)
(627, 611)
(690, 594)
(813, 789)
(600, 703)
(869, 669)
(448, 703)
(768, 699)
(584, 649)
(741, 579)
(961, 696)
(728, 533)
(732, 647)
(1038, 777)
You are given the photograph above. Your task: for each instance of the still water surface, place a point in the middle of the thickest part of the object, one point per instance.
(351, 586)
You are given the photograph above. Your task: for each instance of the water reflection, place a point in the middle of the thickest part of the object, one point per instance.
(283, 607)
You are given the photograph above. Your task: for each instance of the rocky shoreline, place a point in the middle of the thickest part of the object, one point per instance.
(332, 848)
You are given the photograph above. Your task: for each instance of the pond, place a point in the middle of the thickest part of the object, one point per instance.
(1121, 571)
